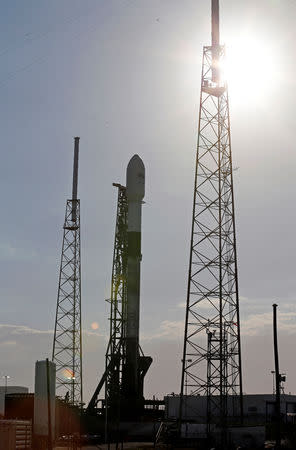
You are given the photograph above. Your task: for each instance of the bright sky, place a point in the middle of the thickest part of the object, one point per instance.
(124, 75)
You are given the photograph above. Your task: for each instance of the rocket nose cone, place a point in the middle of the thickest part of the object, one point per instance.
(135, 163)
(135, 179)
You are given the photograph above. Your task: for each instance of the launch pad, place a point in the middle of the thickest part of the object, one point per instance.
(210, 405)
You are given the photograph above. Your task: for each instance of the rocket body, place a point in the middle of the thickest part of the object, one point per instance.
(135, 191)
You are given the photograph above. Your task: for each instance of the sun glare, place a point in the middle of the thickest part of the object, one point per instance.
(249, 69)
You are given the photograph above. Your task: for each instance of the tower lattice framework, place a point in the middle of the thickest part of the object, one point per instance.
(67, 343)
(115, 354)
(211, 364)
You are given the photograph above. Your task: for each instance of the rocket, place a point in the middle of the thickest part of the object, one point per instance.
(135, 191)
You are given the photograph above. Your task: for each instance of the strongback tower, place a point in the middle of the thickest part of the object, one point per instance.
(67, 343)
(115, 354)
(211, 364)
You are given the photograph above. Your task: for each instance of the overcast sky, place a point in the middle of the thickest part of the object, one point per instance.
(124, 75)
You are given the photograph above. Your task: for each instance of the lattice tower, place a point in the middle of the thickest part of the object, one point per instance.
(67, 343)
(211, 364)
(115, 354)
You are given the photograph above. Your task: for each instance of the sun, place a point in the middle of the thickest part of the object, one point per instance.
(249, 69)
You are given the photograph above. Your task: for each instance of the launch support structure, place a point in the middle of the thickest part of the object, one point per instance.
(126, 366)
(211, 364)
(67, 342)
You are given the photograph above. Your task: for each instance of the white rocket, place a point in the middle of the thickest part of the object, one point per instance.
(135, 191)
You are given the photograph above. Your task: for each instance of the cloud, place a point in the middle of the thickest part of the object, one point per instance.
(168, 329)
(10, 252)
(25, 330)
(4, 343)
(261, 324)
(181, 305)
(21, 329)
(255, 320)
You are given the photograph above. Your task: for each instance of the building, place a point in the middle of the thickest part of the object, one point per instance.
(258, 408)
(10, 390)
(15, 434)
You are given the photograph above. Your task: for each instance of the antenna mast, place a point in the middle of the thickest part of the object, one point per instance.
(75, 177)
(67, 343)
(215, 41)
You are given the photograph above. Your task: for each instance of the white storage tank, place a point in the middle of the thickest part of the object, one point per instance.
(44, 398)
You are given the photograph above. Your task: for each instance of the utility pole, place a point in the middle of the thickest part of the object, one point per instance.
(49, 436)
(212, 322)
(67, 343)
(277, 380)
(6, 377)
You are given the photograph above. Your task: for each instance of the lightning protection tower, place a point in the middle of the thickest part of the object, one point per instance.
(211, 364)
(67, 343)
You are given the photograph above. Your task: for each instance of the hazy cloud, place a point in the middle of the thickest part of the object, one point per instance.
(4, 343)
(21, 329)
(13, 252)
(260, 324)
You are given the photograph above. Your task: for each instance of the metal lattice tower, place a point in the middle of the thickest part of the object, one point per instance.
(67, 343)
(115, 355)
(211, 364)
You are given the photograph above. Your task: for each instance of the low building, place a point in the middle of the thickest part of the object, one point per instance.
(258, 408)
(19, 406)
(10, 390)
(15, 434)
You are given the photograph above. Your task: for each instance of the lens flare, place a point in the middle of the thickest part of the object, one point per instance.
(95, 325)
(68, 374)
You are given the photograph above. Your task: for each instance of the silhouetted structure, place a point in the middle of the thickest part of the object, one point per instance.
(126, 366)
(211, 364)
(67, 344)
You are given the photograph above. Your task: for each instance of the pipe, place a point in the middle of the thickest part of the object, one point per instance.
(215, 41)
(75, 178)
(215, 23)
